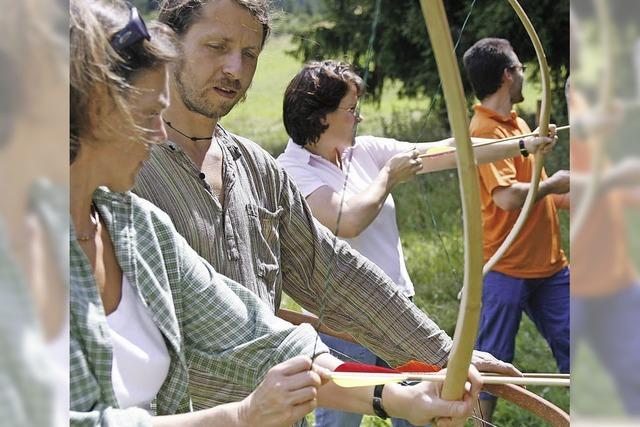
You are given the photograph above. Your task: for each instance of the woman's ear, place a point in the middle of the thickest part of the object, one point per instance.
(99, 109)
(95, 107)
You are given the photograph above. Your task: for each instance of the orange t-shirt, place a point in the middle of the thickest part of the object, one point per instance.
(537, 250)
(601, 264)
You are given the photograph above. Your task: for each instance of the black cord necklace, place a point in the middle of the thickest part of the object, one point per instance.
(193, 138)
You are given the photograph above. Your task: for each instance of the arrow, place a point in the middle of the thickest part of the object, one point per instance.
(436, 151)
(364, 379)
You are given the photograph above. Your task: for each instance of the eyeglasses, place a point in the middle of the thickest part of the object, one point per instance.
(133, 33)
(523, 67)
(353, 110)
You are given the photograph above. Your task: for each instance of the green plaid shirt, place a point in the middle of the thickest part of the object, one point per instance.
(208, 321)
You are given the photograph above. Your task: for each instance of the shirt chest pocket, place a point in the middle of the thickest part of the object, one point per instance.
(264, 238)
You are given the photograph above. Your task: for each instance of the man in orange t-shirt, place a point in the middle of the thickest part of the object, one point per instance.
(533, 275)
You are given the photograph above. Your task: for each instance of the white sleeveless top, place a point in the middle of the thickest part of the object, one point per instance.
(140, 356)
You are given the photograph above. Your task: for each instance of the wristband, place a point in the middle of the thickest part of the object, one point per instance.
(523, 150)
(377, 402)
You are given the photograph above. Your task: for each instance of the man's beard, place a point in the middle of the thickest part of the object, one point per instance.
(196, 101)
(517, 98)
(516, 95)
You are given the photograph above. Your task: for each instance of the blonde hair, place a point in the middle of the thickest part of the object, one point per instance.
(97, 68)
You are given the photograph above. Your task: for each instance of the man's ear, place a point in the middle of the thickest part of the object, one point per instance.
(506, 76)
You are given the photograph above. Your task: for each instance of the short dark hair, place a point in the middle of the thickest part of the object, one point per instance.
(485, 62)
(313, 93)
(181, 14)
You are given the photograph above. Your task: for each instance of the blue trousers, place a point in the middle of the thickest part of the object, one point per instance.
(607, 324)
(545, 301)
(350, 352)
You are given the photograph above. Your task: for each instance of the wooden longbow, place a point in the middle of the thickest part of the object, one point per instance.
(467, 325)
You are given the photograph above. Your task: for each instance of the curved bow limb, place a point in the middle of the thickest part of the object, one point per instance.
(467, 323)
(531, 402)
(469, 314)
(544, 130)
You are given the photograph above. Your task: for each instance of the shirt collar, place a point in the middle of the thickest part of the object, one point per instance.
(300, 154)
(494, 115)
(297, 152)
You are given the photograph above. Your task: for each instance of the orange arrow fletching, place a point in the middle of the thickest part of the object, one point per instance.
(417, 366)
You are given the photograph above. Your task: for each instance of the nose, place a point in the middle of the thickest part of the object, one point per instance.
(233, 64)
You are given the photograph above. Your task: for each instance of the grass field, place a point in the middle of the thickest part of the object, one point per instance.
(437, 277)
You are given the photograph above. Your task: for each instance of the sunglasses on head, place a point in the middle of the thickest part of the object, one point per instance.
(133, 33)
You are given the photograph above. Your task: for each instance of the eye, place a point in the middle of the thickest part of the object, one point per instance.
(250, 54)
(217, 46)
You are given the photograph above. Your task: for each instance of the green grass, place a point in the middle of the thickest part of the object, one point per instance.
(437, 278)
(260, 117)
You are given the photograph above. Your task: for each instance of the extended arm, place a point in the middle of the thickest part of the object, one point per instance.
(360, 210)
(484, 153)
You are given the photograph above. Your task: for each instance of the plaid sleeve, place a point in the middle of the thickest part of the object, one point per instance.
(228, 331)
(358, 298)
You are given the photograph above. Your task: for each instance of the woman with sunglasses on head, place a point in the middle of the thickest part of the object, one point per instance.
(320, 114)
(144, 306)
